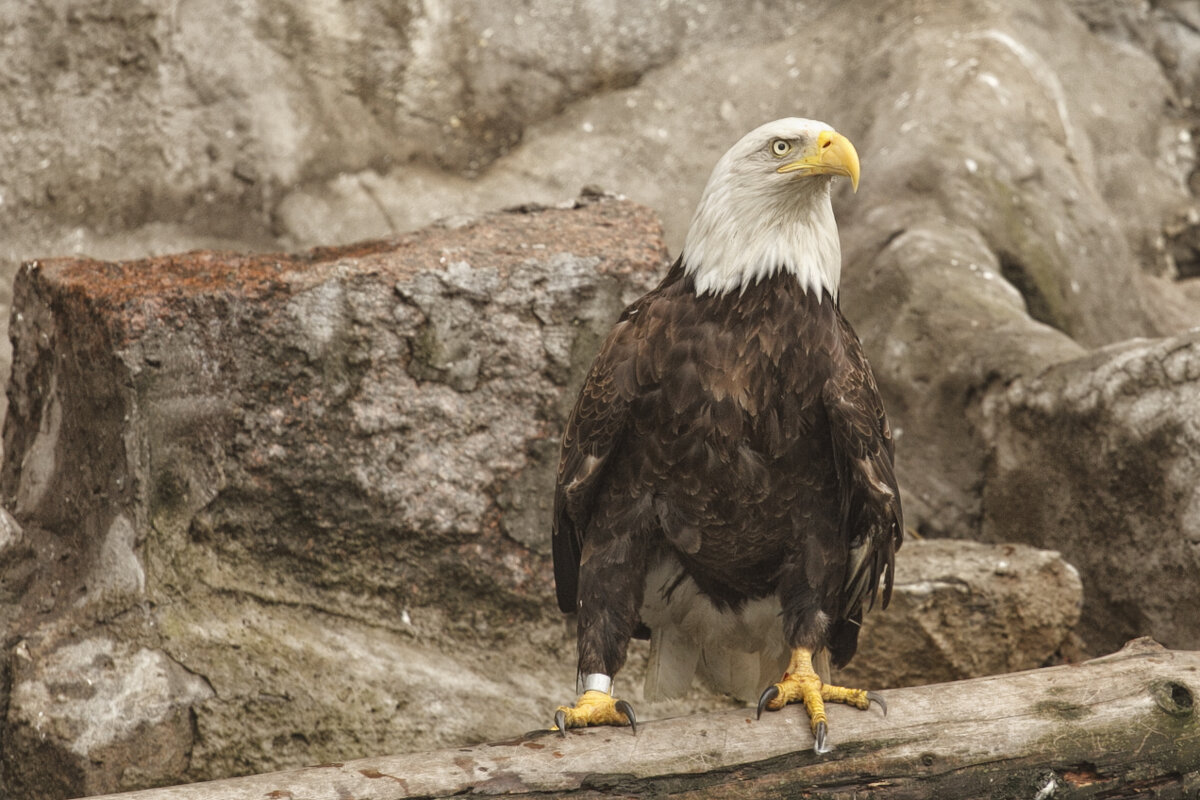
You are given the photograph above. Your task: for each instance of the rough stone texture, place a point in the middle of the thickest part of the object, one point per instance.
(268, 92)
(1100, 457)
(125, 714)
(293, 476)
(963, 609)
(130, 126)
(1043, 212)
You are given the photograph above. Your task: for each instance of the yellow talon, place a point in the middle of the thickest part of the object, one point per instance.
(851, 697)
(802, 684)
(594, 708)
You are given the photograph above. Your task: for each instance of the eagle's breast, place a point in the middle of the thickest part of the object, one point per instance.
(729, 458)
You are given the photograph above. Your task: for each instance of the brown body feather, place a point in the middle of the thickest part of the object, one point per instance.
(743, 435)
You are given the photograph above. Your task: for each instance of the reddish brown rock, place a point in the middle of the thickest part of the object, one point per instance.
(318, 481)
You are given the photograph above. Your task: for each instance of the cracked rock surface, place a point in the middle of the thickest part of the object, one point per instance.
(1100, 457)
(961, 609)
(315, 484)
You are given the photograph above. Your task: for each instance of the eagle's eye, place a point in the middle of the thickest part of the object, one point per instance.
(780, 147)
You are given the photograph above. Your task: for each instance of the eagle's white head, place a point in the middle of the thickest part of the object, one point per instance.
(766, 208)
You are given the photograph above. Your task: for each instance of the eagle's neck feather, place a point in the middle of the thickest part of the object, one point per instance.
(736, 241)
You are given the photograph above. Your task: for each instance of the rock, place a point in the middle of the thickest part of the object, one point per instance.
(313, 483)
(1170, 30)
(11, 535)
(269, 95)
(94, 716)
(16, 564)
(964, 609)
(983, 258)
(1100, 457)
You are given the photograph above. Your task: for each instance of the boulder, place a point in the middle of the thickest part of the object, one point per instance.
(963, 609)
(96, 715)
(315, 484)
(1100, 457)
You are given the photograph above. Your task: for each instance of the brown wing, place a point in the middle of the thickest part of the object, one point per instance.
(595, 430)
(870, 498)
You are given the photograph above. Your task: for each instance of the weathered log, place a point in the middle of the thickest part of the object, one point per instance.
(1118, 726)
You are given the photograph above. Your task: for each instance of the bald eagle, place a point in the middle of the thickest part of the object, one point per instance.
(726, 477)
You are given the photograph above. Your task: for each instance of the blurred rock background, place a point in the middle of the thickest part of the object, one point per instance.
(265, 511)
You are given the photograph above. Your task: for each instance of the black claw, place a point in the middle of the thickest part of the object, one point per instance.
(560, 722)
(874, 697)
(769, 694)
(822, 733)
(626, 709)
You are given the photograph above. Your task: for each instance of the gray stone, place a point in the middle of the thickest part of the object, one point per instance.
(17, 564)
(1100, 457)
(95, 716)
(11, 535)
(198, 115)
(964, 609)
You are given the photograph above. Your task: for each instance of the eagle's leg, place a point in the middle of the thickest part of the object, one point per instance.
(610, 594)
(802, 684)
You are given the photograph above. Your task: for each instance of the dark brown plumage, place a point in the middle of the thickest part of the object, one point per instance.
(744, 435)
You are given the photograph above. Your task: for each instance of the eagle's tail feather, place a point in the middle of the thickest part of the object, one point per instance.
(736, 652)
(672, 664)
(731, 671)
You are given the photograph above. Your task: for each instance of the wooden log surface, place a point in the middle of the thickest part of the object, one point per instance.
(1125, 725)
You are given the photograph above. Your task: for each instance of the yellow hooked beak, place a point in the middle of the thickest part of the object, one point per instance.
(830, 154)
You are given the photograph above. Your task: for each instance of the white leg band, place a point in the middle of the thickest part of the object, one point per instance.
(597, 682)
